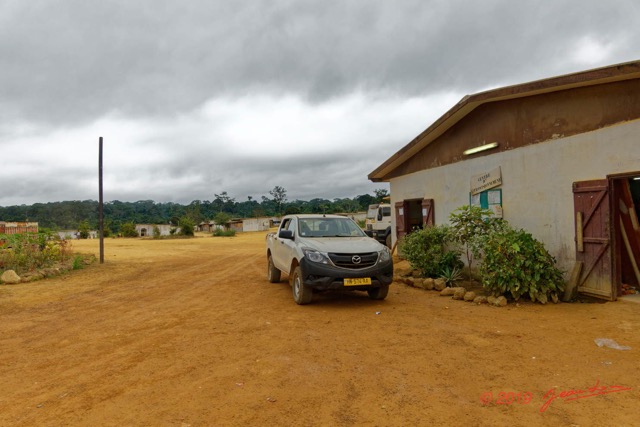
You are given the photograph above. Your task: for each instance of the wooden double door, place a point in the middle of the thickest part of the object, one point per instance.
(607, 235)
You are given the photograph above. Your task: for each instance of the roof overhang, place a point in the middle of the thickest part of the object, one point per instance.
(598, 76)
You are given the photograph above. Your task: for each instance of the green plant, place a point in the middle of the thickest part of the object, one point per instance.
(362, 223)
(451, 275)
(29, 251)
(83, 229)
(427, 250)
(516, 263)
(156, 232)
(186, 226)
(470, 226)
(128, 229)
(222, 218)
(77, 263)
(224, 233)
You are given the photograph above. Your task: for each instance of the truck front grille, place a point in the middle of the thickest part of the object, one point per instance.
(351, 260)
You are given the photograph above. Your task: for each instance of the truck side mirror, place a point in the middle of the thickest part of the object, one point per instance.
(380, 215)
(286, 234)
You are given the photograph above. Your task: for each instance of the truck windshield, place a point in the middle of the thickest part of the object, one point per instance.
(372, 212)
(329, 227)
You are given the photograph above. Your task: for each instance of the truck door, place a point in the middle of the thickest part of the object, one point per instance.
(282, 250)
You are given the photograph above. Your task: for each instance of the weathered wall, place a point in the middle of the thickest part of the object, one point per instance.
(520, 122)
(536, 182)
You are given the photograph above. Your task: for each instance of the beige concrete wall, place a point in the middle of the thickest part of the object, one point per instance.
(536, 182)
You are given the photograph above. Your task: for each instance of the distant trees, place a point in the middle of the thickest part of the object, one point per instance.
(120, 215)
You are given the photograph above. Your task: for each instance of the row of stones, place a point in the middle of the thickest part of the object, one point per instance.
(457, 293)
(10, 277)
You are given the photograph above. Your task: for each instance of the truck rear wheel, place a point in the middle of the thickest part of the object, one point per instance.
(302, 294)
(379, 293)
(388, 241)
(273, 274)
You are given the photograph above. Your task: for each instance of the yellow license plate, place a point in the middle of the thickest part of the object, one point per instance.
(358, 281)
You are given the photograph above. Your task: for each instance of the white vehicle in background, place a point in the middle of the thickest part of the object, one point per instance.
(378, 223)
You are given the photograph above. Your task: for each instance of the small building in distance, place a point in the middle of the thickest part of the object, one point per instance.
(18, 227)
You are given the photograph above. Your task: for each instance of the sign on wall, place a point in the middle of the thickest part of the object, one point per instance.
(489, 199)
(485, 181)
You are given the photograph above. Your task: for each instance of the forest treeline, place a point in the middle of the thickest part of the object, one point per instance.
(69, 214)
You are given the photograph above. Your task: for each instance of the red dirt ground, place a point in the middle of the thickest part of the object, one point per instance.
(190, 333)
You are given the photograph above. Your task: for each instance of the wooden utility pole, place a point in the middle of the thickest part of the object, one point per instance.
(100, 203)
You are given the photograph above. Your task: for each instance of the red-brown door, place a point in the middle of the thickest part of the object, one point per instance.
(593, 248)
(401, 212)
(428, 217)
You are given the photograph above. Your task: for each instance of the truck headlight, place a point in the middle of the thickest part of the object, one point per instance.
(316, 256)
(384, 255)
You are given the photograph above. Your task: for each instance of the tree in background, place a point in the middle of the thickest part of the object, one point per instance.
(381, 193)
(128, 229)
(222, 218)
(279, 195)
(186, 226)
(83, 229)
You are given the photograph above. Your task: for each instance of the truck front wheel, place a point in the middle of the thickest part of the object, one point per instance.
(273, 274)
(388, 241)
(302, 294)
(379, 293)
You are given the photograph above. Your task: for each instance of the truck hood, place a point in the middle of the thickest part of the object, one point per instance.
(342, 244)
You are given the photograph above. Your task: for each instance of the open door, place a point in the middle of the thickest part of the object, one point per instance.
(400, 221)
(626, 235)
(428, 218)
(593, 248)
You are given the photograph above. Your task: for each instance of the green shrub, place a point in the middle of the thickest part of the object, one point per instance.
(516, 263)
(30, 251)
(78, 263)
(128, 229)
(224, 233)
(427, 250)
(84, 229)
(187, 226)
(156, 232)
(470, 226)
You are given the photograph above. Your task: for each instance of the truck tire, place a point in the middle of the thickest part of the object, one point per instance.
(273, 274)
(379, 293)
(388, 241)
(302, 294)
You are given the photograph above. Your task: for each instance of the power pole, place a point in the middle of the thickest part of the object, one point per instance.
(100, 203)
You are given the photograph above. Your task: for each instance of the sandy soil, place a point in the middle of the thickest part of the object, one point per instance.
(190, 333)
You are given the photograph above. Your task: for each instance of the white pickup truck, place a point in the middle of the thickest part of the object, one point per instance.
(327, 252)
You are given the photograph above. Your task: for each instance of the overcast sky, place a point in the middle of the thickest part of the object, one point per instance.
(202, 96)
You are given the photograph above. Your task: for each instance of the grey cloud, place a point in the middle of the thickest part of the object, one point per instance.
(71, 61)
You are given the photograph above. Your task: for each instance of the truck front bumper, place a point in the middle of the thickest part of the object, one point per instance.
(324, 277)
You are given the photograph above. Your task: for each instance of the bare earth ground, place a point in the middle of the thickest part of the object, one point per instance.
(190, 333)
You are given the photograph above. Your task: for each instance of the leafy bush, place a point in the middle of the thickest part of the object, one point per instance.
(187, 226)
(78, 263)
(427, 251)
(517, 263)
(156, 232)
(29, 251)
(128, 229)
(470, 226)
(84, 229)
(222, 218)
(224, 233)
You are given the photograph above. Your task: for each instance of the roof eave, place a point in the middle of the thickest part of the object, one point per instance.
(613, 73)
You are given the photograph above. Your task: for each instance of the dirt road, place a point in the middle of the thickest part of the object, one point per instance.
(190, 333)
